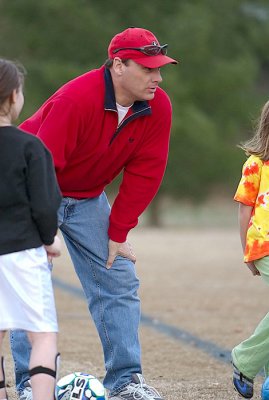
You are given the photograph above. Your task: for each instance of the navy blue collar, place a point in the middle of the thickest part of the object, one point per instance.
(110, 100)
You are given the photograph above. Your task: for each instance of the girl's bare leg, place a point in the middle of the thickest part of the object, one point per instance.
(44, 351)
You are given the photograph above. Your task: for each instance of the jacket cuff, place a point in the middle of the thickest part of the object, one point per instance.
(48, 242)
(117, 235)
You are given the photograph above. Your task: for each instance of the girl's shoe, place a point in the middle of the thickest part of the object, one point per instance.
(265, 390)
(242, 384)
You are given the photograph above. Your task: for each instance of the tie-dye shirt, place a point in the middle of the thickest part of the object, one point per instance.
(253, 190)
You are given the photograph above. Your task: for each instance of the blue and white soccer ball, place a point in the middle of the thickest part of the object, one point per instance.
(79, 386)
(265, 390)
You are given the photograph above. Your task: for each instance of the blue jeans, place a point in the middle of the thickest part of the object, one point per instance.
(111, 294)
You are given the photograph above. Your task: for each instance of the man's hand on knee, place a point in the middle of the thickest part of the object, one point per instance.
(119, 249)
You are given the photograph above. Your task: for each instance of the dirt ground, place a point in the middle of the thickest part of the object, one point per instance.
(192, 280)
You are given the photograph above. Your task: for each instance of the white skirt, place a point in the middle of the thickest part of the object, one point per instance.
(26, 293)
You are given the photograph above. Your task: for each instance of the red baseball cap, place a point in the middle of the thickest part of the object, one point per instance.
(141, 46)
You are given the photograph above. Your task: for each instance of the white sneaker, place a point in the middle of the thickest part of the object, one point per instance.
(137, 390)
(26, 393)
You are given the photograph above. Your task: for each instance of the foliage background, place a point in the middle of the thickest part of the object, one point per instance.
(217, 90)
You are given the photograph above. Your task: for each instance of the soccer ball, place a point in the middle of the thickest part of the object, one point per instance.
(265, 390)
(79, 386)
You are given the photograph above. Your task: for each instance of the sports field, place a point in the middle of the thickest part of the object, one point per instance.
(198, 301)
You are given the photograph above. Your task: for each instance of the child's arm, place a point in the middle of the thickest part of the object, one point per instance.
(43, 190)
(244, 215)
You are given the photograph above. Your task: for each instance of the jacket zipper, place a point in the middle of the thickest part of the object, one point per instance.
(126, 121)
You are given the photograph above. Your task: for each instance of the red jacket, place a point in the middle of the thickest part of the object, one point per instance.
(79, 125)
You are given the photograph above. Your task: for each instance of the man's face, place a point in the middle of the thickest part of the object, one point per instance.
(138, 82)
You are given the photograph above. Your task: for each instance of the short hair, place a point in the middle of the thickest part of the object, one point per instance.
(109, 62)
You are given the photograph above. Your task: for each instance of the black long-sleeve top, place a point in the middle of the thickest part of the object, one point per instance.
(29, 193)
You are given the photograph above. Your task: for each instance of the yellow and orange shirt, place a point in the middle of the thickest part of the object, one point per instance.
(253, 190)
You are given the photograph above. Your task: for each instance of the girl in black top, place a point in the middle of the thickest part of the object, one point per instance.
(29, 200)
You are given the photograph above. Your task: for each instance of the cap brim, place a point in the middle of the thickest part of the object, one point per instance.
(154, 61)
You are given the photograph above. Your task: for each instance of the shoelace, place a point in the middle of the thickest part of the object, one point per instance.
(140, 390)
(151, 391)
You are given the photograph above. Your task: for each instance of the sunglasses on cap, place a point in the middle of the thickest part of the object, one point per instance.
(150, 50)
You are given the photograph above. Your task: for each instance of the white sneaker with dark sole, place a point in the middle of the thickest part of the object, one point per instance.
(137, 390)
(26, 393)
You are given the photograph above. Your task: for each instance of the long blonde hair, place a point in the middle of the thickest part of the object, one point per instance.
(258, 145)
